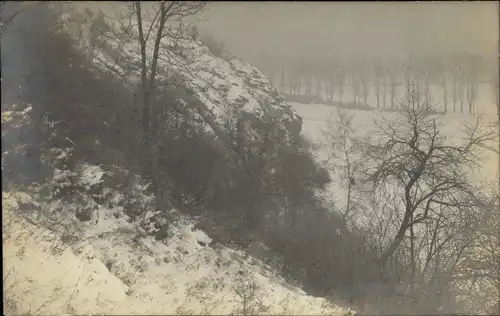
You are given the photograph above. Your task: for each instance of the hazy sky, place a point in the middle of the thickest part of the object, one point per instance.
(347, 28)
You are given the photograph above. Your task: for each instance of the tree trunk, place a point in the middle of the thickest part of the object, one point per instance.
(282, 81)
(384, 93)
(454, 94)
(445, 94)
(398, 239)
(147, 87)
(393, 92)
(332, 88)
(471, 96)
(412, 258)
(340, 84)
(426, 90)
(144, 72)
(417, 86)
(461, 90)
(408, 84)
(365, 92)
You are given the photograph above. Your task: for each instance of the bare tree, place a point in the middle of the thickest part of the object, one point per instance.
(308, 80)
(340, 82)
(282, 80)
(365, 83)
(384, 81)
(159, 27)
(291, 82)
(472, 84)
(419, 204)
(355, 81)
(444, 86)
(378, 76)
(455, 75)
(412, 155)
(156, 32)
(329, 81)
(317, 80)
(461, 87)
(426, 74)
(342, 144)
(297, 84)
(409, 82)
(393, 82)
(478, 272)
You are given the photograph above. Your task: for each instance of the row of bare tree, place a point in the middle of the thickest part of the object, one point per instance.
(458, 78)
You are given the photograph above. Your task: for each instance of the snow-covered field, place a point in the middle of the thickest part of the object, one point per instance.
(318, 117)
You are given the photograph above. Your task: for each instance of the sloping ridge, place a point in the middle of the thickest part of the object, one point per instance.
(57, 263)
(226, 87)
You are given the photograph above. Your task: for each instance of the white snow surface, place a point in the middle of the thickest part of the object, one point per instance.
(110, 266)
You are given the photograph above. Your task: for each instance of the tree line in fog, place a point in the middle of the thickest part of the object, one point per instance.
(351, 81)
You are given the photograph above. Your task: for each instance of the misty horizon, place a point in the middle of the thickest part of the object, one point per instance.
(318, 30)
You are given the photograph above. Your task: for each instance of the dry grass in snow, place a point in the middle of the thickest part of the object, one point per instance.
(112, 268)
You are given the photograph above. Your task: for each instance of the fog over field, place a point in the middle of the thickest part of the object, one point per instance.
(317, 30)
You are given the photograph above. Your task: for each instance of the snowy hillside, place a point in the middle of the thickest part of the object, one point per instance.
(108, 268)
(74, 246)
(90, 240)
(227, 88)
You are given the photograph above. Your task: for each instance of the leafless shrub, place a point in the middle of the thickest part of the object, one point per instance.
(421, 186)
(248, 292)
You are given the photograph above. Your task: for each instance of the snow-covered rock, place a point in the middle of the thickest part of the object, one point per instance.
(226, 87)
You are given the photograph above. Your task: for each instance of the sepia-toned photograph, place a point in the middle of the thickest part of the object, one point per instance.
(250, 158)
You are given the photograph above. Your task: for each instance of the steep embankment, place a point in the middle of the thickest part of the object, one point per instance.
(111, 268)
(226, 88)
(73, 246)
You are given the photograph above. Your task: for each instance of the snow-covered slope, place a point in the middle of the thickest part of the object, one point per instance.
(227, 87)
(72, 246)
(55, 264)
(89, 241)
